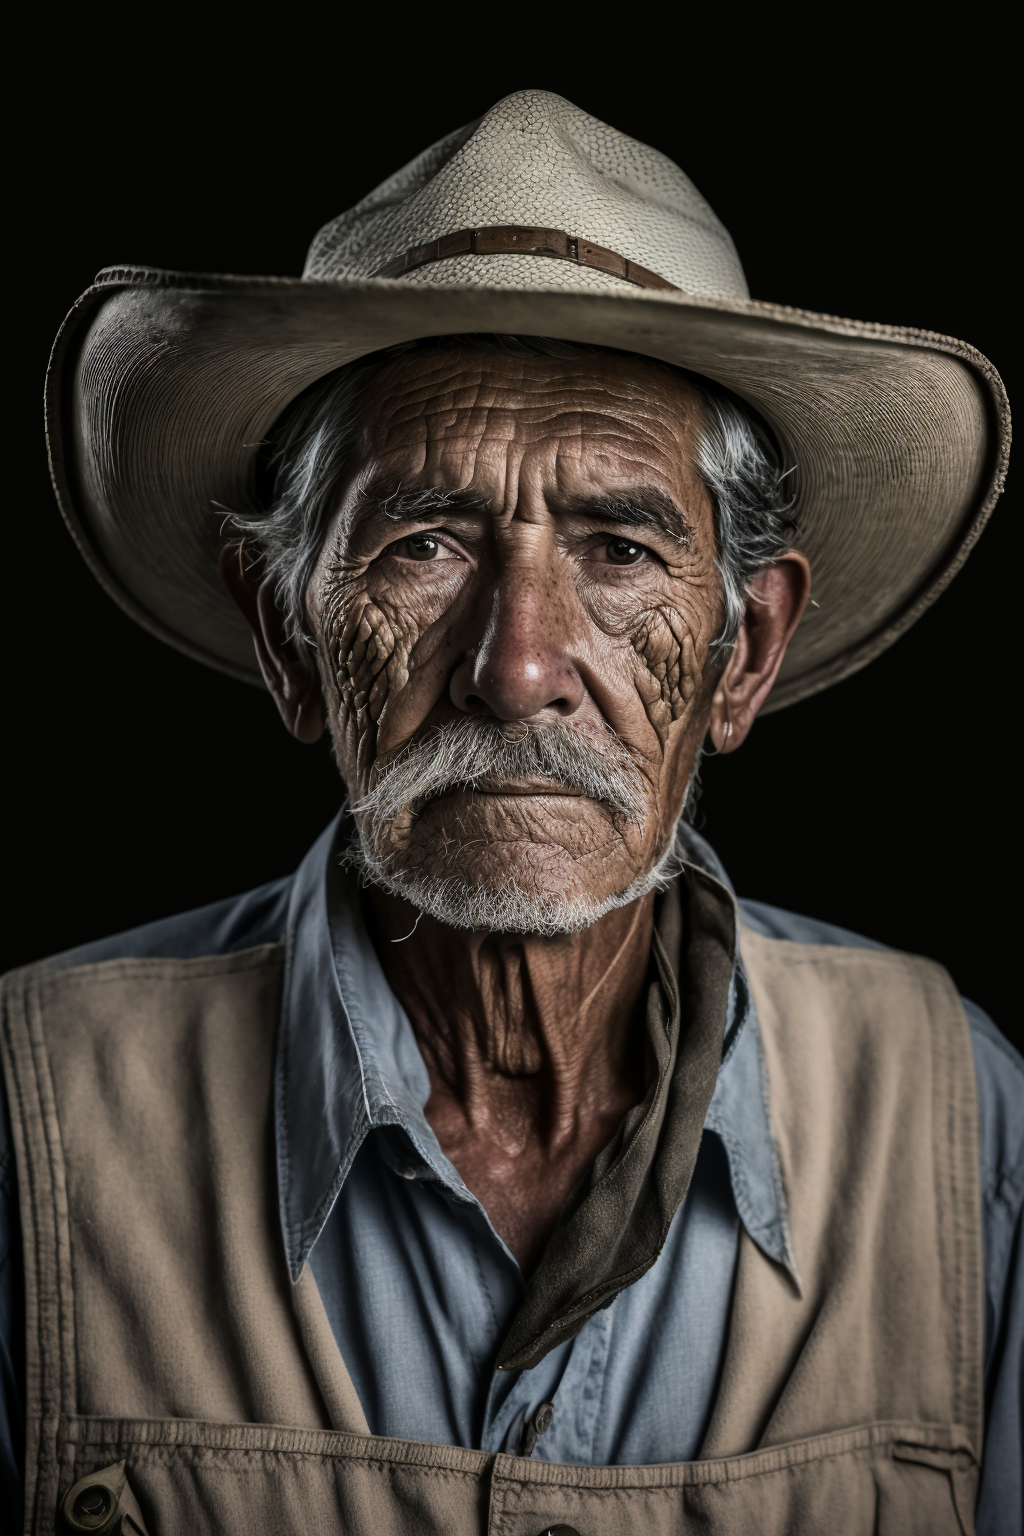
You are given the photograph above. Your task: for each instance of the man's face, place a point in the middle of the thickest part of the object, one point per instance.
(524, 541)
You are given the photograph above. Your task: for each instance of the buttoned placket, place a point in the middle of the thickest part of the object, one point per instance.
(567, 1382)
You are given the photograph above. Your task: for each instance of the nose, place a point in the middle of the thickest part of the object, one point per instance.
(522, 667)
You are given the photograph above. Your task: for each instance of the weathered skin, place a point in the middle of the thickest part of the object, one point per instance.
(534, 602)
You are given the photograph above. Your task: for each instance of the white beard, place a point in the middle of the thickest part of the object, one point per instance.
(451, 899)
(463, 755)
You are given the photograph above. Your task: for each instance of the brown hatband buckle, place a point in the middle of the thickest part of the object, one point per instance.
(524, 240)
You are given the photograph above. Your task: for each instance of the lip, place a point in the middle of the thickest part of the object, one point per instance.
(506, 788)
(524, 787)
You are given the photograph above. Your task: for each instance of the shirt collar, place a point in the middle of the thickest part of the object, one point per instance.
(348, 1062)
(740, 1110)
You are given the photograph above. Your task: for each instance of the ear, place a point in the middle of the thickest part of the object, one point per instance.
(288, 671)
(778, 597)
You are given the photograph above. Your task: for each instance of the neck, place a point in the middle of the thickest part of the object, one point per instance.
(525, 1039)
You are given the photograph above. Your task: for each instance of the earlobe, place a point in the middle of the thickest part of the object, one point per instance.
(309, 720)
(720, 728)
(290, 676)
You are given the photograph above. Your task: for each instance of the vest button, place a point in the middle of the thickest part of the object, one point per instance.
(94, 1503)
(92, 1508)
(559, 1530)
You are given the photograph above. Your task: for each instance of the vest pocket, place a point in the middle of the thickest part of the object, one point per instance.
(960, 1467)
(215, 1479)
(211, 1479)
(852, 1483)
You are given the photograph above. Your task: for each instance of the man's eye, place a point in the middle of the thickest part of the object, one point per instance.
(623, 552)
(422, 546)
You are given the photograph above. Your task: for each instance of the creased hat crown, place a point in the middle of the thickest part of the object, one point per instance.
(535, 159)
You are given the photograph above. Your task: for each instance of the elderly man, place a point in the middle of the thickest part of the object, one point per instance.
(499, 1171)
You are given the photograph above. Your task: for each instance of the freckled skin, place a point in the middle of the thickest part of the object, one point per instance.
(525, 611)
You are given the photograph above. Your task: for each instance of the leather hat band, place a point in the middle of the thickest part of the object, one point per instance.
(524, 240)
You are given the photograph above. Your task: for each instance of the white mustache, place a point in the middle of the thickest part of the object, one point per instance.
(472, 752)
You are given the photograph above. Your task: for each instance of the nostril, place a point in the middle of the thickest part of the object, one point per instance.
(510, 686)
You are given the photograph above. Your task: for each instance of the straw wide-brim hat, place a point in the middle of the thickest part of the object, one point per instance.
(537, 220)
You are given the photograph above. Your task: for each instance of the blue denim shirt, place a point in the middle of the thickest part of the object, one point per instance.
(417, 1284)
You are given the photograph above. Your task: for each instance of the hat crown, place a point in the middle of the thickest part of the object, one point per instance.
(535, 159)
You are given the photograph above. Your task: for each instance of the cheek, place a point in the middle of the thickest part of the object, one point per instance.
(667, 642)
(671, 649)
(366, 645)
(670, 668)
(371, 659)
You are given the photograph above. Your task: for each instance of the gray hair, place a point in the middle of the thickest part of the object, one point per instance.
(310, 451)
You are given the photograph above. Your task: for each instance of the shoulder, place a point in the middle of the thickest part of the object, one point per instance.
(88, 988)
(999, 1068)
(776, 923)
(168, 976)
(224, 932)
(145, 978)
(224, 927)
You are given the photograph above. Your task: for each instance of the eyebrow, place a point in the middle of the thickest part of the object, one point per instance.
(415, 504)
(644, 507)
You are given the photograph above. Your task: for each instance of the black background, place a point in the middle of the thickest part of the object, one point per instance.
(861, 173)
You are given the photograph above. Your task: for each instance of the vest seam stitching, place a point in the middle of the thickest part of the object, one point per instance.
(33, 1125)
(38, 1419)
(67, 1342)
(82, 977)
(913, 1433)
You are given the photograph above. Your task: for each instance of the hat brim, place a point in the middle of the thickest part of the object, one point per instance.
(162, 386)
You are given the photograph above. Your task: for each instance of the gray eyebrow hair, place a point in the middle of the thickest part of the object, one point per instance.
(646, 507)
(415, 504)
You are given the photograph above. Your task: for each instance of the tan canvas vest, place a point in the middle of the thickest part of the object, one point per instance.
(164, 1333)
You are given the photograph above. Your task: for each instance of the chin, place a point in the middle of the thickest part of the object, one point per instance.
(511, 886)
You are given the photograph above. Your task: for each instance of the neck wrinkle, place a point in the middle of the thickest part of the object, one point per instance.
(520, 1034)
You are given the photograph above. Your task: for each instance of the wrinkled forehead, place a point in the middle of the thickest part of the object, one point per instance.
(610, 410)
